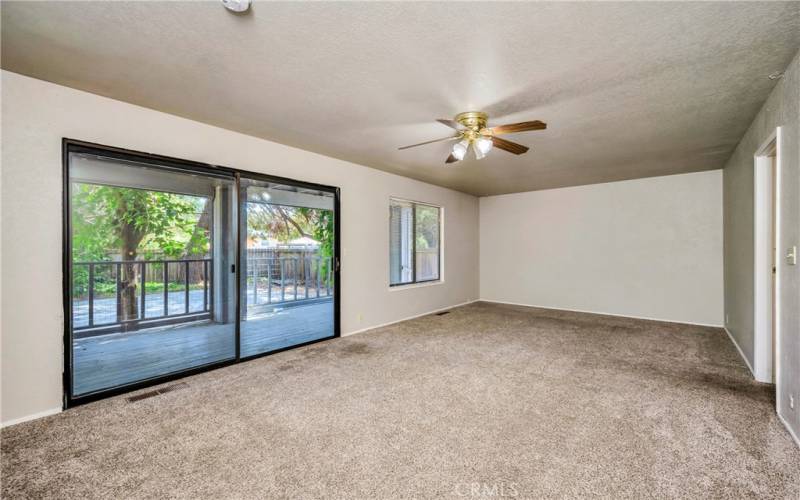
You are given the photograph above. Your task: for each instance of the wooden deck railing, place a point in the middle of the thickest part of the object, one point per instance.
(186, 274)
(186, 291)
(273, 280)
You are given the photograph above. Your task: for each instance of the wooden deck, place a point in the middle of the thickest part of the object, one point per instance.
(113, 360)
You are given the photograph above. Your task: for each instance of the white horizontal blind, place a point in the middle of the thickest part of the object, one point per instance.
(400, 242)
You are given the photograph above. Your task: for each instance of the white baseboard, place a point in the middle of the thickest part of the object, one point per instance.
(741, 353)
(602, 313)
(41, 414)
(791, 432)
(408, 318)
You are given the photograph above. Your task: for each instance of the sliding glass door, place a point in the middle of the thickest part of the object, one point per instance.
(287, 264)
(161, 254)
(150, 283)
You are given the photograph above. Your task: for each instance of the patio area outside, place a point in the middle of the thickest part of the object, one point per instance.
(160, 275)
(116, 359)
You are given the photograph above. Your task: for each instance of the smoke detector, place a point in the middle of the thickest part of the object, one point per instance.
(237, 6)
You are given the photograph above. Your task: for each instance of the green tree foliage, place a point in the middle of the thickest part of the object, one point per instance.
(286, 223)
(427, 219)
(281, 222)
(321, 228)
(109, 220)
(105, 219)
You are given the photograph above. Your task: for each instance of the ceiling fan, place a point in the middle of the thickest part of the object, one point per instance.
(473, 133)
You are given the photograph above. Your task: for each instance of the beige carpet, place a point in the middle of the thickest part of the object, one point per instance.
(487, 401)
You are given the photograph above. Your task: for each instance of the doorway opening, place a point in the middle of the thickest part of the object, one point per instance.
(174, 267)
(766, 197)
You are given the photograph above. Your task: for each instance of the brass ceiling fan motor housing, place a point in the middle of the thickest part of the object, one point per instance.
(473, 120)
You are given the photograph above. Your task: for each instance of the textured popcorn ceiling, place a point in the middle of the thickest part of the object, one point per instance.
(628, 90)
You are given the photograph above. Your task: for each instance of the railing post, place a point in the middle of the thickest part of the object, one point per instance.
(186, 285)
(306, 260)
(205, 285)
(294, 272)
(254, 265)
(283, 284)
(91, 294)
(211, 288)
(269, 280)
(318, 268)
(119, 290)
(143, 291)
(328, 278)
(166, 287)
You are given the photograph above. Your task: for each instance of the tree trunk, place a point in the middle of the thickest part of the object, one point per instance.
(128, 305)
(130, 237)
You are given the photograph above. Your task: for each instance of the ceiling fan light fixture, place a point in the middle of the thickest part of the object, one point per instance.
(483, 145)
(460, 149)
(237, 6)
(471, 130)
(478, 154)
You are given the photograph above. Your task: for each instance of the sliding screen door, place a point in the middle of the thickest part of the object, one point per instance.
(287, 265)
(150, 288)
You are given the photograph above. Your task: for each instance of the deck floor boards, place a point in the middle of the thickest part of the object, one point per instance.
(113, 360)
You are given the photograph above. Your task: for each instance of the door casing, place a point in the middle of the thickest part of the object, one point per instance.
(766, 196)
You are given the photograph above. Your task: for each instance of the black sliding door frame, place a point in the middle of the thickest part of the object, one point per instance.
(182, 166)
(241, 224)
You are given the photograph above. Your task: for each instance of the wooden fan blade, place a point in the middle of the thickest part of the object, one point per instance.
(449, 123)
(431, 142)
(511, 147)
(518, 127)
(451, 159)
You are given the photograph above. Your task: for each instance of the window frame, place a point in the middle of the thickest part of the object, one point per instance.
(440, 255)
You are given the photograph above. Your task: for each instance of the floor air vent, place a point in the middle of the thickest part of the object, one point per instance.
(150, 394)
(443, 313)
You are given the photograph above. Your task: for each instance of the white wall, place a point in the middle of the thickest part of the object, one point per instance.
(35, 117)
(782, 109)
(649, 248)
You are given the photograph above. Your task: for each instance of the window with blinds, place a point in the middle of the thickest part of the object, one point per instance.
(414, 242)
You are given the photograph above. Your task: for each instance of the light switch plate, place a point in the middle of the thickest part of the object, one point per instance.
(791, 256)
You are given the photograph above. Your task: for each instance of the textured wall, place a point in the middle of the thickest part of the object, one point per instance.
(649, 248)
(36, 115)
(781, 109)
